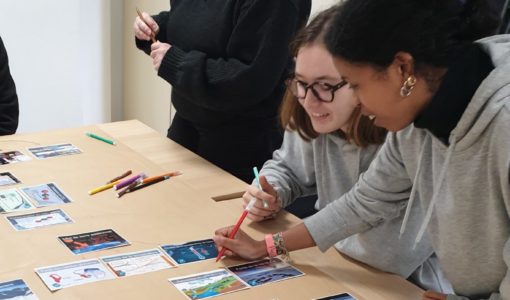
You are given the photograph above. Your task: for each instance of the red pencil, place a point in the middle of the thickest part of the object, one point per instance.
(233, 233)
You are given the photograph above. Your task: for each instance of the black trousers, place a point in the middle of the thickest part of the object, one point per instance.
(236, 147)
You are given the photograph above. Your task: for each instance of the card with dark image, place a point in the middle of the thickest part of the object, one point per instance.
(16, 289)
(93, 241)
(343, 296)
(265, 271)
(6, 178)
(11, 157)
(191, 251)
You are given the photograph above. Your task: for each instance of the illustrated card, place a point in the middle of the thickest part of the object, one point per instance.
(191, 251)
(134, 263)
(46, 195)
(93, 241)
(11, 200)
(343, 296)
(61, 276)
(11, 157)
(6, 178)
(16, 290)
(54, 150)
(39, 219)
(208, 284)
(265, 271)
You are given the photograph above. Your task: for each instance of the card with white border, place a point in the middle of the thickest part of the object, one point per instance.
(265, 271)
(45, 194)
(54, 150)
(134, 263)
(39, 219)
(208, 284)
(61, 276)
(12, 200)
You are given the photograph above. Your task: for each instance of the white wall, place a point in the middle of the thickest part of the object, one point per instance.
(59, 58)
(74, 63)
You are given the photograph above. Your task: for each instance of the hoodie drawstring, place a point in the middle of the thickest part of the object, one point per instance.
(435, 193)
(413, 189)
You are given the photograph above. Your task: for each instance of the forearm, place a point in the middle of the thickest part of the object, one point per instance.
(298, 237)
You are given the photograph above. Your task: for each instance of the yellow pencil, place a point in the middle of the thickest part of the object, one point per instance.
(104, 187)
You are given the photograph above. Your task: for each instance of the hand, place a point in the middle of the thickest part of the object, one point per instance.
(259, 212)
(142, 31)
(431, 295)
(158, 51)
(241, 245)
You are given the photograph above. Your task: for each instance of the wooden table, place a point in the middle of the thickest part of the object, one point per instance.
(179, 210)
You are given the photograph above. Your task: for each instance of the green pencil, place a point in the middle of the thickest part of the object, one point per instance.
(100, 138)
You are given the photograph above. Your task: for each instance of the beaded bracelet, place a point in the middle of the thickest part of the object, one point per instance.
(280, 246)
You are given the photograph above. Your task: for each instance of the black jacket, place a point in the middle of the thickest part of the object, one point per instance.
(9, 110)
(229, 58)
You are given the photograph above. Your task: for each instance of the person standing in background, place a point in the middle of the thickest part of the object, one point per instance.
(9, 107)
(226, 61)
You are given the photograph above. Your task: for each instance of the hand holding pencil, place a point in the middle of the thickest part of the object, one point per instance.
(266, 193)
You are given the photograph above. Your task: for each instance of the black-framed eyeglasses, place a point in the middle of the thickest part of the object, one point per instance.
(324, 92)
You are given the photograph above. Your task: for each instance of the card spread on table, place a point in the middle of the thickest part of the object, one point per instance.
(39, 219)
(191, 251)
(61, 276)
(342, 296)
(11, 157)
(127, 264)
(45, 195)
(265, 271)
(16, 290)
(6, 178)
(54, 150)
(93, 241)
(11, 200)
(208, 284)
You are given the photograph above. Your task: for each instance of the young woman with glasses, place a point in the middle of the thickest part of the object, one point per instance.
(327, 145)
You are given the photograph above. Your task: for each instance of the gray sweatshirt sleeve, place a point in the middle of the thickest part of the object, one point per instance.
(380, 193)
(291, 170)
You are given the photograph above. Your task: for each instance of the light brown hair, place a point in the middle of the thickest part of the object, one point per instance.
(362, 132)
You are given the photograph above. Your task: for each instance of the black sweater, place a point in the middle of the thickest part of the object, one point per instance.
(229, 58)
(9, 109)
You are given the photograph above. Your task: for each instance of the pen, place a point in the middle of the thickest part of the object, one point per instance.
(257, 178)
(129, 187)
(237, 226)
(143, 185)
(153, 34)
(171, 174)
(128, 181)
(127, 173)
(103, 188)
(97, 137)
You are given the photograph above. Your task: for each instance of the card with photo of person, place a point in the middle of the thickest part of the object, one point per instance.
(11, 157)
(93, 241)
(265, 271)
(45, 194)
(191, 251)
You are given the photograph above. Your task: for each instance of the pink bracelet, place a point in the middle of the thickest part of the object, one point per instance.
(270, 246)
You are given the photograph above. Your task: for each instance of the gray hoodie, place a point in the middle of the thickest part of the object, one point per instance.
(464, 189)
(329, 166)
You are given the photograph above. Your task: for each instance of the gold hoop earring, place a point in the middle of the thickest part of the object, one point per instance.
(408, 86)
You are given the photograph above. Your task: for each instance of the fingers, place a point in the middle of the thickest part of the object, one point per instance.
(150, 21)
